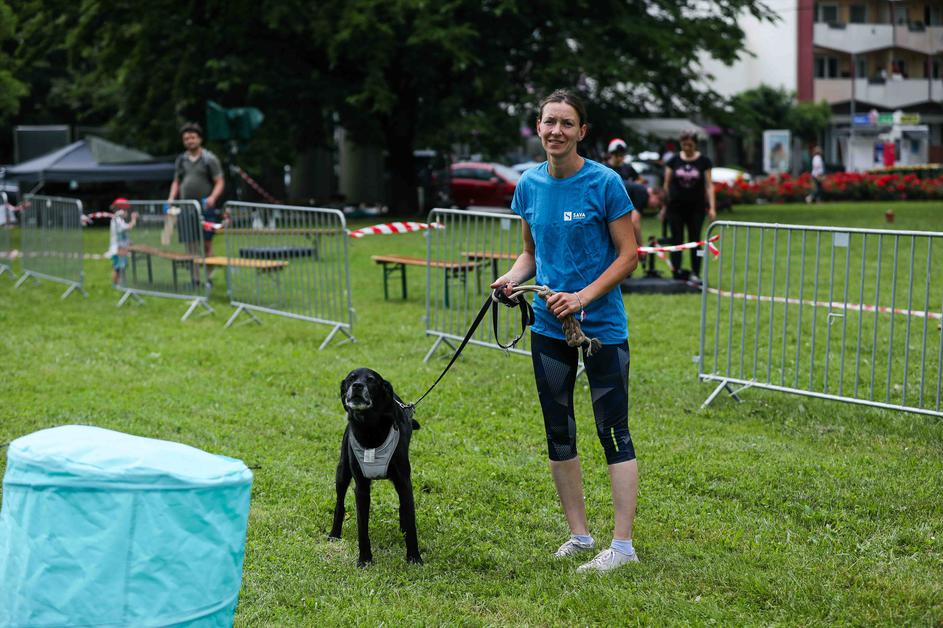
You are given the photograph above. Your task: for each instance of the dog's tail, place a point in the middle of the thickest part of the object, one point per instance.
(415, 424)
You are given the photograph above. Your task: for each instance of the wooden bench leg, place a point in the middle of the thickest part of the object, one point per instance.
(391, 269)
(134, 267)
(446, 291)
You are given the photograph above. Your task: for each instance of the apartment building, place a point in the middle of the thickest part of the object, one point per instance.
(861, 56)
(874, 55)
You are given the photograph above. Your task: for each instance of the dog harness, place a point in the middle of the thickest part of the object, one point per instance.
(374, 462)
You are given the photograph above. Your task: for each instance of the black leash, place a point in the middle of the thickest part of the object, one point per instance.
(492, 300)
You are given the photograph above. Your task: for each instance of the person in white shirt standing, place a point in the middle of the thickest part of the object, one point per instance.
(818, 171)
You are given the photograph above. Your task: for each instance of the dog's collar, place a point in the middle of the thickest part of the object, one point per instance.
(375, 462)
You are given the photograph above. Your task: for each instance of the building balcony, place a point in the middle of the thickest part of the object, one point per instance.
(853, 38)
(889, 95)
(861, 38)
(928, 40)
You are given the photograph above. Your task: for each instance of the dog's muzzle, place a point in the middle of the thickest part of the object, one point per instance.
(358, 397)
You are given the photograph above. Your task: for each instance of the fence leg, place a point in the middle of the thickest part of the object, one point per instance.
(196, 303)
(22, 279)
(4, 269)
(72, 289)
(721, 386)
(334, 331)
(435, 345)
(239, 310)
(127, 294)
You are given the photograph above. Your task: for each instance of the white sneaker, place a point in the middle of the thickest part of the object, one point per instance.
(573, 547)
(607, 560)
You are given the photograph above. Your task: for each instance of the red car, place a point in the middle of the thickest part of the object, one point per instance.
(482, 183)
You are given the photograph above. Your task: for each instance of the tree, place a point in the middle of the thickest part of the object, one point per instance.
(396, 74)
(12, 90)
(756, 110)
(471, 71)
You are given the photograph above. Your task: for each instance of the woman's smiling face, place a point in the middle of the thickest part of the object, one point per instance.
(559, 129)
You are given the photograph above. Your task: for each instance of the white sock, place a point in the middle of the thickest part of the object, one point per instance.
(623, 546)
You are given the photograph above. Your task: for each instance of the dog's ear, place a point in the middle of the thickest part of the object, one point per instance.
(388, 389)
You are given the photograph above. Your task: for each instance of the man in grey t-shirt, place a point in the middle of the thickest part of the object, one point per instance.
(198, 176)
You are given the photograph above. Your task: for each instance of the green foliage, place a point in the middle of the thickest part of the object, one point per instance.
(780, 510)
(12, 90)
(808, 120)
(396, 74)
(755, 110)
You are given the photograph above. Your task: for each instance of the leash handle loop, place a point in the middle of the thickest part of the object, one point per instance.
(492, 300)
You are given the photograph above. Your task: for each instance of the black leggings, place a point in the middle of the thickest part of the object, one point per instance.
(555, 365)
(694, 221)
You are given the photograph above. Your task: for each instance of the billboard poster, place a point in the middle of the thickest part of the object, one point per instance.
(777, 151)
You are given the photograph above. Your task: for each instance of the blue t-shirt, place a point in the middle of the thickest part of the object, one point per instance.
(569, 221)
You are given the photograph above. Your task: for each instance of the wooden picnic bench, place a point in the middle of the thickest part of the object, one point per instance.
(185, 260)
(398, 263)
(261, 265)
(188, 260)
(492, 256)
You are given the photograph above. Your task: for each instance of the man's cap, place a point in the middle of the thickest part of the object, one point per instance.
(121, 203)
(616, 146)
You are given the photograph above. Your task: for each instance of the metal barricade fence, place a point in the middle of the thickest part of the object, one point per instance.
(6, 226)
(290, 261)
(472, 249)
(165, 257)
(51, 233)
(844, 314)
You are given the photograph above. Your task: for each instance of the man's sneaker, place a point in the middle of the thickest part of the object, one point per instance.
(607, 560)
(694, 281)
(573, 547)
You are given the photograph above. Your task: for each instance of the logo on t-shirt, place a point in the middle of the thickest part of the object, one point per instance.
(568, 216)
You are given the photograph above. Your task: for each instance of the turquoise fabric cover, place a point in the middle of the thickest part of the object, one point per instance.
(100, 528)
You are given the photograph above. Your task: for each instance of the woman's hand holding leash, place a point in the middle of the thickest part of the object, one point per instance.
(563, 304)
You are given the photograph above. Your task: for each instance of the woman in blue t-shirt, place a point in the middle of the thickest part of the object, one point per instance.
(579, 241)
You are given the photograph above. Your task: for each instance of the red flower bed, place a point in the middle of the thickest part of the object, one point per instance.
(840, 186)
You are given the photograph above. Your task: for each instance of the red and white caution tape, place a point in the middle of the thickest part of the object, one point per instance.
(833, 305)
(681, 247)
(255, 186)
(395, 227)
(212, 226)
(88, 218)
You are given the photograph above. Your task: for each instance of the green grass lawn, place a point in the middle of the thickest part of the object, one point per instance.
(780, 510)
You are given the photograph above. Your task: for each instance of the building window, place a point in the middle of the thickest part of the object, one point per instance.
(827, 13)
(933, 15)
(861, 67)
(935, 69)
(826, 67)
(900, 15)
(858, 14)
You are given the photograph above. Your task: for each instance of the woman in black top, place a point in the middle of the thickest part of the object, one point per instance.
(689, 188)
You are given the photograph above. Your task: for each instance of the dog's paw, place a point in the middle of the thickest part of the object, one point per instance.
(416, 560)
(365, 562)
(333, 537)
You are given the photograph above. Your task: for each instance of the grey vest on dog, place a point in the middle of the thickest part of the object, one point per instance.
(374, 462)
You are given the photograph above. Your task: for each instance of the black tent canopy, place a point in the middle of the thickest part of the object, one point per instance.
(92, 160)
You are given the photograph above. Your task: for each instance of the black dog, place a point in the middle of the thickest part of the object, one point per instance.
(375, 446)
